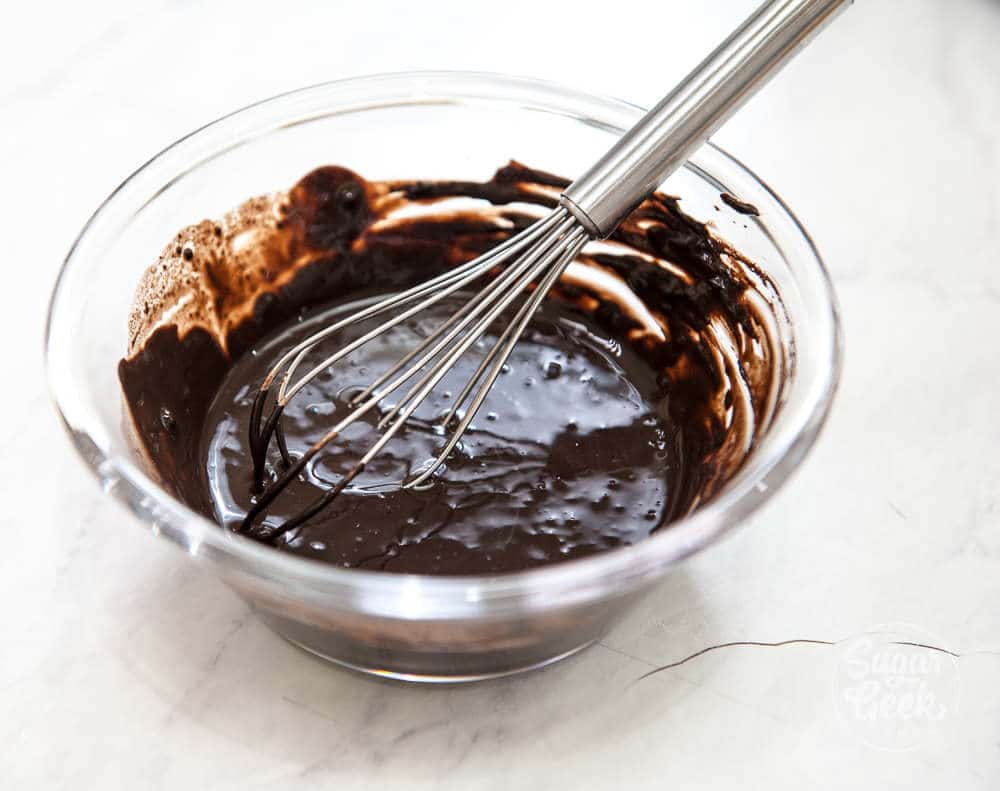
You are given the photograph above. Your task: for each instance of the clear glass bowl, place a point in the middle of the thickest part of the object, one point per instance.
(419, 125)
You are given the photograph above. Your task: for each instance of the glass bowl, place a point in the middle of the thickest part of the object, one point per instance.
(419, 125)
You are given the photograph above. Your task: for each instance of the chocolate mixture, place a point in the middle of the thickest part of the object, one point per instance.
(634, 394)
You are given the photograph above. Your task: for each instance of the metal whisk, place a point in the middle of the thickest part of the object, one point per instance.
(590, 208)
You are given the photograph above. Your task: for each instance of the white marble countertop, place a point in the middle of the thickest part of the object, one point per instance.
(123, 667)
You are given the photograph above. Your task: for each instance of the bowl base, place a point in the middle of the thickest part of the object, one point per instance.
(419, 678)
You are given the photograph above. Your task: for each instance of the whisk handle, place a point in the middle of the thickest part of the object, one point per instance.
(669, 133)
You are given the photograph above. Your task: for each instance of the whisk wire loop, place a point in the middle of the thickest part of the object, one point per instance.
(536, 256)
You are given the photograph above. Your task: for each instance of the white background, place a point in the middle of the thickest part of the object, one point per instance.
(121, 667)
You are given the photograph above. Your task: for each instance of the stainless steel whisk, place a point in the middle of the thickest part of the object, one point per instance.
(590, 208)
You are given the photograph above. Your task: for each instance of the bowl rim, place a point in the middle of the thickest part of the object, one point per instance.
(429, 596)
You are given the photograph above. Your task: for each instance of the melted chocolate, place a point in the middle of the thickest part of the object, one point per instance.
(567, 456)
(634, 394)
